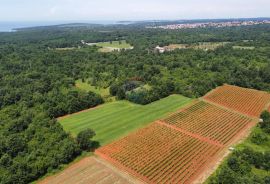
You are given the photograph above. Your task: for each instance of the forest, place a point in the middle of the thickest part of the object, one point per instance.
(38, 82)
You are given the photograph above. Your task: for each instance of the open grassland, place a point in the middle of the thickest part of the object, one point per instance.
(113, 46)
(114, 120)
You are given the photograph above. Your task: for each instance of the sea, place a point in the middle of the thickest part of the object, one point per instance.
(12, 26)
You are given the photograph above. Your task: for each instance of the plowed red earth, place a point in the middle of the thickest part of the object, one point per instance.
(247, 101)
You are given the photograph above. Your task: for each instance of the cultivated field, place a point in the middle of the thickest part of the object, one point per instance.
(247, 101)
(212, 122)
(184, 146)
(114, 120)
(90, 170)
(160, 154)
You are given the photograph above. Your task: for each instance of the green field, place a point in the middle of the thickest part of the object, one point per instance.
(114, 45)
(114, 120)
(243, 47)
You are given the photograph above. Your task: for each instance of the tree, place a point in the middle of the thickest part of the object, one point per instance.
(265, 125)
(84, 139)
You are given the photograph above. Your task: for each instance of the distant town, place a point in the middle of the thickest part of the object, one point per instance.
(211, 24)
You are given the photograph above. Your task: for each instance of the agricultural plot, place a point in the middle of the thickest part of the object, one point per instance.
(116, 119)
(209, 121)
(247, 101)
(160, 154)
(89, 170)
(188, 143)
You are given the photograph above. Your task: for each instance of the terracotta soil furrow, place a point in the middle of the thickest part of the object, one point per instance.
(197, 136)
(247, 101)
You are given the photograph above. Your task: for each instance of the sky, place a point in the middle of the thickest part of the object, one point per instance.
(90, 10)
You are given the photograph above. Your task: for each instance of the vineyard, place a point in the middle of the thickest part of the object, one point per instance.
(209, 121)
(159, 154)
(179, 148)
(248, 101)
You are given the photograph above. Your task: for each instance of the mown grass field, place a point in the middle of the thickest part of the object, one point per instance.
(114, 45)
(116, 119)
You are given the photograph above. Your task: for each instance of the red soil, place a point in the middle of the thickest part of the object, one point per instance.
(247, 101)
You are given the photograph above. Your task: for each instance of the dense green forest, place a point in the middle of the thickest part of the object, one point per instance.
(37, 81)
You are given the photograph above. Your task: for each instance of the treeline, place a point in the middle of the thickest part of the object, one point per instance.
(249, 164)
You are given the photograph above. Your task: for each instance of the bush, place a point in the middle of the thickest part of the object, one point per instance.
(259, 138)
(265, 125)
(84, 139)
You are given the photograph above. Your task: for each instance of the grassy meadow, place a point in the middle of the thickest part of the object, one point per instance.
(112, 46)
(116, 119)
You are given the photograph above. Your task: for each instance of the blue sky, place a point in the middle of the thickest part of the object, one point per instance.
(87, 10)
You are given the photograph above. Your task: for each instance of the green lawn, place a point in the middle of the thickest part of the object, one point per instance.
(115, 44)
(114, 120)
(243, 47)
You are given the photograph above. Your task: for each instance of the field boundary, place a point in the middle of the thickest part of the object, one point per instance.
(122, 173)
(82, 111)
(123, 168)
(229, 109)
(196, 136)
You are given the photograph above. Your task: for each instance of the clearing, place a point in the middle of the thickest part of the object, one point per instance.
(104, 92)
(112, 46)
(201, 45)
(117, 119)
(244, 47)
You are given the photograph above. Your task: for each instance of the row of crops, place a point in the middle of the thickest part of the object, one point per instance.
(247, 101)
(209, 121)
(179, 148)
(158, 154)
